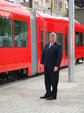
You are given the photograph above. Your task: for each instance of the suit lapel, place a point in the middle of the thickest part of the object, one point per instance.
(54, 46)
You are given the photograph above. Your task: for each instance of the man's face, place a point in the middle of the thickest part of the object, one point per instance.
(52, 39)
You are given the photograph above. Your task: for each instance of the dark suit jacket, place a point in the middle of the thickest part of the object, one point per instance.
(52, 57)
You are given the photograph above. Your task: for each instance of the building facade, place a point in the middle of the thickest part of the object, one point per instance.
(53, 7)
(79, 15)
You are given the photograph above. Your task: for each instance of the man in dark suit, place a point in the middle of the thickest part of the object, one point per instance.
(51, 58)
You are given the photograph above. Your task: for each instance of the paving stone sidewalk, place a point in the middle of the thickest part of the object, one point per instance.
(23, 96)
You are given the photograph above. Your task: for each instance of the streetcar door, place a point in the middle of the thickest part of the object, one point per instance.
(44, 36)
(43, 39)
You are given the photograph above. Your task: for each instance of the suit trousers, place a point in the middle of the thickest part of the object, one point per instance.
(51, 81)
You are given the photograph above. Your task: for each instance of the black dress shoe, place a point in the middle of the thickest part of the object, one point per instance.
(50, 98)
(44, 97)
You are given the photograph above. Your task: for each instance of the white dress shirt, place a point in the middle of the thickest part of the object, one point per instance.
(50, 45)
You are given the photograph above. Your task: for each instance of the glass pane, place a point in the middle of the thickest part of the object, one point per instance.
(81, 39)
(77, 38)
(47, 0)
(6, 38)
(61, 40)
(66, 45)
(42, 41)
(42, 46)
(42, 36)
(56, 37)
(20, 33)
(47, 37)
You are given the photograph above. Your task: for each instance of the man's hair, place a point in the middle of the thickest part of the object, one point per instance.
(52, 34)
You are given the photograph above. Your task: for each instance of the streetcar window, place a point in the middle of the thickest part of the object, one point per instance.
(77, 38)
(47, 37)
(81, 39)
(66, 48)
(20, 33)
(56, 37)
(42, 41)
(6, 38)
(61, 40)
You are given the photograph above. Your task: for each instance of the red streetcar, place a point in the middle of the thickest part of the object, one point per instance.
(47, 24)
(23, 35)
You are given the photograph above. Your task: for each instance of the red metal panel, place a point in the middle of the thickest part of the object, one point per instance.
(15, 58)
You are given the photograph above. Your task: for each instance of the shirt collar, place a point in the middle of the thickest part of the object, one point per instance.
(51, 44)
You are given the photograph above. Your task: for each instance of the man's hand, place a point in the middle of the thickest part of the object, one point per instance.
(41, 66)
(55, 68)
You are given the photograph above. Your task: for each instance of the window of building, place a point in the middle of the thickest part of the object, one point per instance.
(55, 4)
(61, 40)
(42, 41)
(6, 38)
(36, 0)
(77, 38)
(81, 39)
(59, 5)
(47, 0)
(20, 33)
